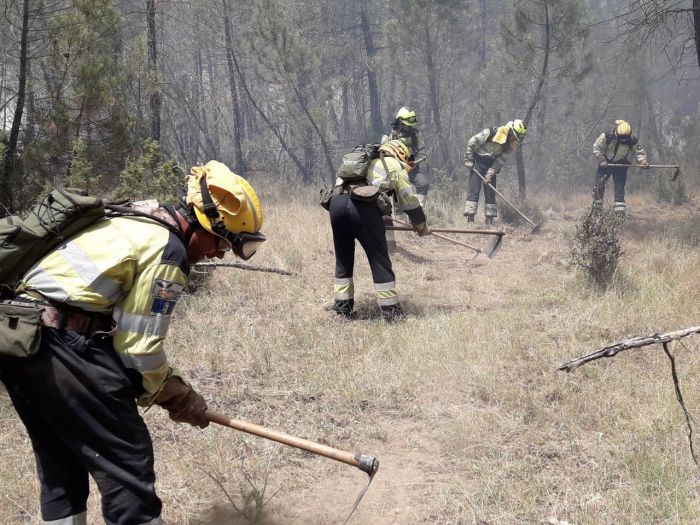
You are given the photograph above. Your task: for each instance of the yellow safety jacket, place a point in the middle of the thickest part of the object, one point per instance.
(396, 180)
(608, 147)
(490, 144)
(133, 268)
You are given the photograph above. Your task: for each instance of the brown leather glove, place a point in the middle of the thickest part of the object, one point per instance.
(183, 403)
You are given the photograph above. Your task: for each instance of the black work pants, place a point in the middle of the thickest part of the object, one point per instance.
(619, 176)
(474, 188)
(78, 405)
(419, 180)
(351, 220)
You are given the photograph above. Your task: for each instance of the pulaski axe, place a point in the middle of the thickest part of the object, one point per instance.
(365, 462)
(490, 251)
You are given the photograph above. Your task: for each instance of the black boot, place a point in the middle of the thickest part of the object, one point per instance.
(392, 313)
(470, 217)
(345, 308)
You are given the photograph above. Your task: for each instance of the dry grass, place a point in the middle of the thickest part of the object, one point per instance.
(460, 403)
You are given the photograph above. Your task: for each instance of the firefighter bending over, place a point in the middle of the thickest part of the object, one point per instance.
(108, 295)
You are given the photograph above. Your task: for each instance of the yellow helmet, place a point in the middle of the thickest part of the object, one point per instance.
(407, 116)
(396, 149)
(519, 128)
(226, 205)
(623, 128)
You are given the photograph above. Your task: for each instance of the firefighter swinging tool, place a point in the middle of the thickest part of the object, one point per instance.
(535, 227)
(364, 462)
(491, 250)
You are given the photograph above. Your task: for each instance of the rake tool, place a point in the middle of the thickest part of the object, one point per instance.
(535, 227)
(491, 251)
(365, 462)
(675, 167)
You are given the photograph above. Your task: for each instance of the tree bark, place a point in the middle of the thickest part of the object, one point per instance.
(519, 161)
(11, 150)
(372, 86)
(239, 162)
(156, 98)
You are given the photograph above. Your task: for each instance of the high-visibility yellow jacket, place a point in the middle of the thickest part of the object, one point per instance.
(612, 149)
(396, 180)
(134, 269)
(491, 144)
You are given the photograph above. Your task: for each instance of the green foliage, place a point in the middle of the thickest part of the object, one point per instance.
(149, 176)
(81, 174)
(596, 247)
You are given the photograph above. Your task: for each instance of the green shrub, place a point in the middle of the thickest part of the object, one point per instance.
(150, 176)
(596, 247)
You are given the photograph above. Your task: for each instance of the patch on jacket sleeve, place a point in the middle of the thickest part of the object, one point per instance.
(165, 295)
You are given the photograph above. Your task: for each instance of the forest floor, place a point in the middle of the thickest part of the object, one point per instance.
(460, 403)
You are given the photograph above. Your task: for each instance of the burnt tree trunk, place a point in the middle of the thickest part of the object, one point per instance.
(156, 99)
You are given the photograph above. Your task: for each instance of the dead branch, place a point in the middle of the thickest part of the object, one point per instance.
(243, 267)
(635, 342)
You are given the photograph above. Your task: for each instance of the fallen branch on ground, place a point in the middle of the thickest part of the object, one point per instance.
(635, 342)
(243, 267)
(638, 342)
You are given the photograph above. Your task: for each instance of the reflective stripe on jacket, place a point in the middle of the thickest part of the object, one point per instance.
(134, 269)
(482, 145)
(615, 151)
(396, 180)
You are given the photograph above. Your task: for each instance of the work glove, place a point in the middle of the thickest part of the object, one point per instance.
(469, 164)
(182, 403)
(422, 229)
(603, 163)
(644, 164)
(490, 174)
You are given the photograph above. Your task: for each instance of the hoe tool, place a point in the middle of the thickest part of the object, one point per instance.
(675, 167)
(491, 251)
(364, 462)
(535, 227)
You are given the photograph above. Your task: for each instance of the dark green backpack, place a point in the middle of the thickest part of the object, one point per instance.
(23, 242)
(354, 165)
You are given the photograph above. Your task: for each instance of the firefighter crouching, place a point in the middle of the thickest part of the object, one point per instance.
(355, 219)
(109, 293)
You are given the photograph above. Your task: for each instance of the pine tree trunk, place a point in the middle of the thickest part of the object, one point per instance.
(11, 150)
(435, 102)
(519, 161)
(372, 86)
(155, 96)
(239, 162)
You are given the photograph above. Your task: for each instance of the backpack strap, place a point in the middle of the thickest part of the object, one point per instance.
(116, 210)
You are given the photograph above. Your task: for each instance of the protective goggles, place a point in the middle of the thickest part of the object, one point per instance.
(244, 244)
